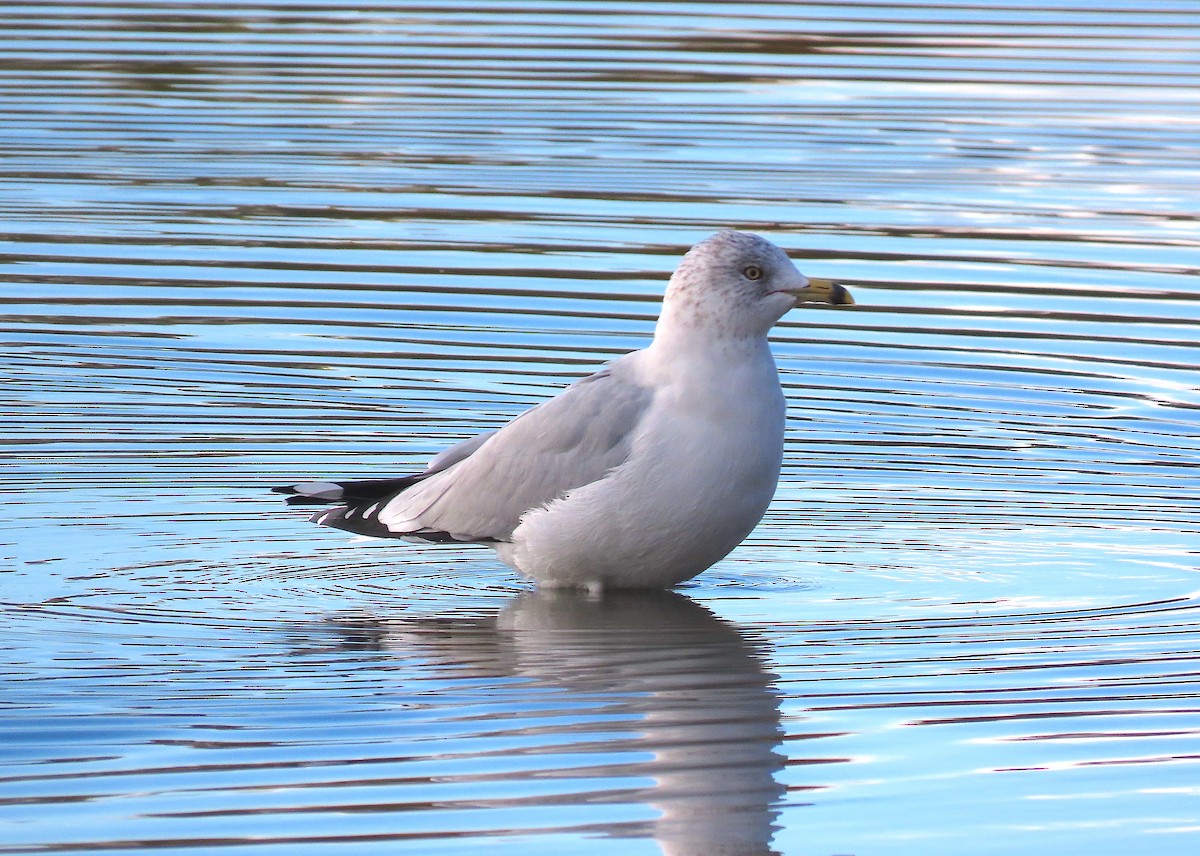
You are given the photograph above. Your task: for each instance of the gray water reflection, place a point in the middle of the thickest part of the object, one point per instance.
(683, 692)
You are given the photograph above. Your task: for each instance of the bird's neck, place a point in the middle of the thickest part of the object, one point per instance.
(680, 348)
(690, 330)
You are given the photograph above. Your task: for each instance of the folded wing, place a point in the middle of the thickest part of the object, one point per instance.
(479, 489)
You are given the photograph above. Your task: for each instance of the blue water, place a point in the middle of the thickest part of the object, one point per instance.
(244, 244)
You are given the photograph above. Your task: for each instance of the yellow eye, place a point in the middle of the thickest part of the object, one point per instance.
(752, 272)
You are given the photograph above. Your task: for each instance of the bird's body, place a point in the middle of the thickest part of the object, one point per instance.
(639, 476)
(699, 473)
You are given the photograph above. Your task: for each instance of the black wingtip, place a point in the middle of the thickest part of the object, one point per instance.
(300, 499)
(361, 520)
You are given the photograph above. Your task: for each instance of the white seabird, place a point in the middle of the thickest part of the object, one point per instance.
(639, 476)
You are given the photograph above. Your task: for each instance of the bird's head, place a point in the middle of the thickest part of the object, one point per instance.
(739, 284)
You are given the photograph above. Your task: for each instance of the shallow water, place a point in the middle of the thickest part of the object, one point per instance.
(249, 243)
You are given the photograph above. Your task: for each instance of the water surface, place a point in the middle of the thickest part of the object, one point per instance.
(244, 244)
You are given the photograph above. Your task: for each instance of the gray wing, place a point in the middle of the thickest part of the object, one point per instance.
(480, 488)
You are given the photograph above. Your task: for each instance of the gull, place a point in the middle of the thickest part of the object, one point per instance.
(640, 476)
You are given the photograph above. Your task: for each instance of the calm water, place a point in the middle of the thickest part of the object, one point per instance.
(245, 243)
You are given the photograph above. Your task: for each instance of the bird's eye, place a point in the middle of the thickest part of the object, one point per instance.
(752, 272)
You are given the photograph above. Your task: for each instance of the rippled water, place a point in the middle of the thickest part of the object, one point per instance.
(245, 243)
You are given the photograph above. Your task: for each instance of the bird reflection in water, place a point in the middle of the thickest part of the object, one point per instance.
(679, 688)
